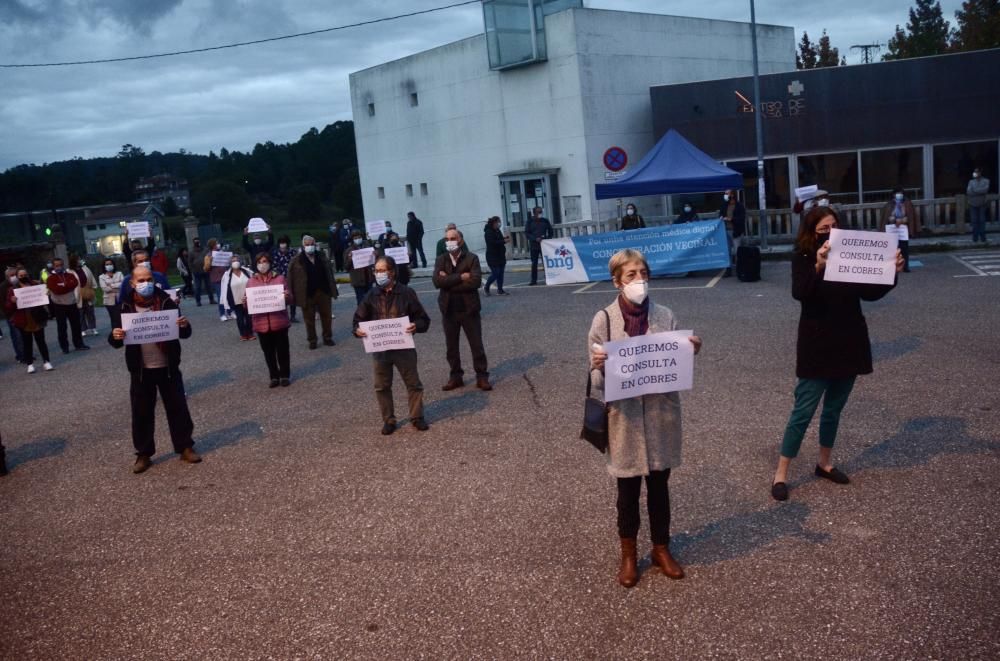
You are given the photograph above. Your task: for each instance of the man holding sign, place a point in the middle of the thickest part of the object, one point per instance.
(390, 300)
(154, 365)
(644, 425)
(833, 346)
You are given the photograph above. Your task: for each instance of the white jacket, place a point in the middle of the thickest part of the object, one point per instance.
(238, 285)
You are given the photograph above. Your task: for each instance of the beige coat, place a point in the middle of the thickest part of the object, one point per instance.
(644, 433)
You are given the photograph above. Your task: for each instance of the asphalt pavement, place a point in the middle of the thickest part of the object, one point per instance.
(305, 534)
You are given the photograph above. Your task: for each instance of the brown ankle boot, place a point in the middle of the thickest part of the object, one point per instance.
(628, 572)
(661, 557)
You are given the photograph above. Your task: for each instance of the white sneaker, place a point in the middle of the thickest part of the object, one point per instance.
(31, 369)
(223, 318)
(232, 316)
(48, 366)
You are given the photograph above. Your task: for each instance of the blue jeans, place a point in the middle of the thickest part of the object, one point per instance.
(218, 295)
(496, 275)
(16, 340)
(978, 217)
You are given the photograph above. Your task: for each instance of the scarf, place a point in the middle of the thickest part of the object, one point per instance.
(636, 316)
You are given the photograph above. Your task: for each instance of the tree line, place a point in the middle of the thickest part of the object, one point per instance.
(314, 177)
(977, 26)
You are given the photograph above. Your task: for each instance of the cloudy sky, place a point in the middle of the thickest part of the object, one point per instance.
(235, 98)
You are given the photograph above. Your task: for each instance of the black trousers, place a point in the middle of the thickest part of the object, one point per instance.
(39, 338)
(657, 505)
(142, 392)
(904, 249)
(415, 248)
(69, 313)
(338, 257)
(274, 344)
(472, 324)
(115, 313)
(536, 254)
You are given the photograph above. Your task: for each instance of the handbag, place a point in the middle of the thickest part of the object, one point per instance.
(595, 412)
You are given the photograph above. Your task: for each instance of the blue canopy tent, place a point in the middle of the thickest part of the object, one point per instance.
(673, 165)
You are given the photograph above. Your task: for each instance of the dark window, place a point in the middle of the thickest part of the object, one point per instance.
(371, 109)
(423, 189)
(953, 165)
(91, 228)
(835, 173)
(883, 170)
(776, 185)
(413, 99)
(381, 192)
(409, 190)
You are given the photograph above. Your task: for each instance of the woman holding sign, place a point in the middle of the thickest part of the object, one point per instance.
(833, 346)
(272, 327)
(233, 287)
(644, 432)
(30, 321)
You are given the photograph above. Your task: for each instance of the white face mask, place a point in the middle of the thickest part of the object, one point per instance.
(263, 267)
(451, 246)
(899, 197)
(381, 279)
(975, 175)
(236, 265)
(12, 279)
(357, 242)
(636, 291)
(283, 246)
(725, 197)
(687, 209)
(630, 212)
(109, 268)
(258, 241)
(310, 249)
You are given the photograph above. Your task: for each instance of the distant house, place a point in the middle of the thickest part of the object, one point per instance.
(104, 228)
(161, 186)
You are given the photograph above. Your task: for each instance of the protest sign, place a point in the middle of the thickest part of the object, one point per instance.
(901, 232)
(865, 257)
(269, 298)
(31, 297)
(138, 230)
(386, 334)
(646, 364)
(400, 254)
(222, 258)
(668, 249)
(257, 225)
(149, 327)
(804, 193)
(375, 228)
(362, 258)
(172, 293)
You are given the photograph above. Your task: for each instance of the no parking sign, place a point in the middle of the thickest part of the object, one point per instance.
(615, 159)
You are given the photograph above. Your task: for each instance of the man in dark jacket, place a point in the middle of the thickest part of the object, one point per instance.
(344, 236)
(155, 367)
(392, 300)
(415, 239)
(258, 245)
(313, 284)
(458, 275)
(537, 229)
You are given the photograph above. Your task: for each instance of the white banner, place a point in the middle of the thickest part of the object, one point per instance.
(269, 298)
(362, 258)
(139, 230)
(386, 334)
(865, 257)
(31, 297)
(222, 258)
(149, 327)
(257, 225)
(647, 364)
(562, 262)
(375, 228)
(400, 254)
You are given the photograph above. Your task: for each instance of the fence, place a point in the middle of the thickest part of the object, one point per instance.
(945, 215)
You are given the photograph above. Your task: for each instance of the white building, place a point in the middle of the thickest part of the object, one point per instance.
(442, 134)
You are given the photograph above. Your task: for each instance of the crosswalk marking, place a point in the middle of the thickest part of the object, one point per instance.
(981, 263)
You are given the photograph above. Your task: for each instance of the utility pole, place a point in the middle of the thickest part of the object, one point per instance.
(758, 126)
(866, 51)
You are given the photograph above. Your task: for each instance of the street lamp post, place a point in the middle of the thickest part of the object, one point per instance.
(759, 128)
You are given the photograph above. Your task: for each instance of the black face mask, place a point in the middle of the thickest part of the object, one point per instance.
(821, 238)
(25, 279)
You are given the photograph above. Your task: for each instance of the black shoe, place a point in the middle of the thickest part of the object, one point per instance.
(312, 345)
(834, 475)
(421, 424)
(274, 383)
(65, 350)
(329, 343)
(3, 464)
(388, 428)
(779, 491)
(486, 290)
(532, 284)
(142, 464)
(728, 273)
(285, 383)
(503, 293)
(82, 347)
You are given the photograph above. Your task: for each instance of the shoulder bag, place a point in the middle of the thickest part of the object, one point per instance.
(595, 412)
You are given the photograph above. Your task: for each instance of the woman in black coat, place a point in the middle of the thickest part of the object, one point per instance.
(833, 346)
(496, 254)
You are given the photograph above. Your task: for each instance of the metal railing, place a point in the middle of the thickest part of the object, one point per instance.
(945, 215)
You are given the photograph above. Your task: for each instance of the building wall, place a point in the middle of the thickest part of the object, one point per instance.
(471, 124)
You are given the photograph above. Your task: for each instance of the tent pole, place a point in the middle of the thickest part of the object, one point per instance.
(759, 129)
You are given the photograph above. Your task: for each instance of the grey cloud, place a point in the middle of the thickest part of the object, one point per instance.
(138, 15)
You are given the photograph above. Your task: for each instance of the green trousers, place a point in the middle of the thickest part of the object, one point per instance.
(808, 392)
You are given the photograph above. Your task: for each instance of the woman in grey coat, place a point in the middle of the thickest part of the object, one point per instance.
(644, 433)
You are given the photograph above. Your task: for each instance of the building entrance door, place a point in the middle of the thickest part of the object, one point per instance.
(523, 192)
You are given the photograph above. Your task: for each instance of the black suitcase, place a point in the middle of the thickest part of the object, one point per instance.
(748, 263)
